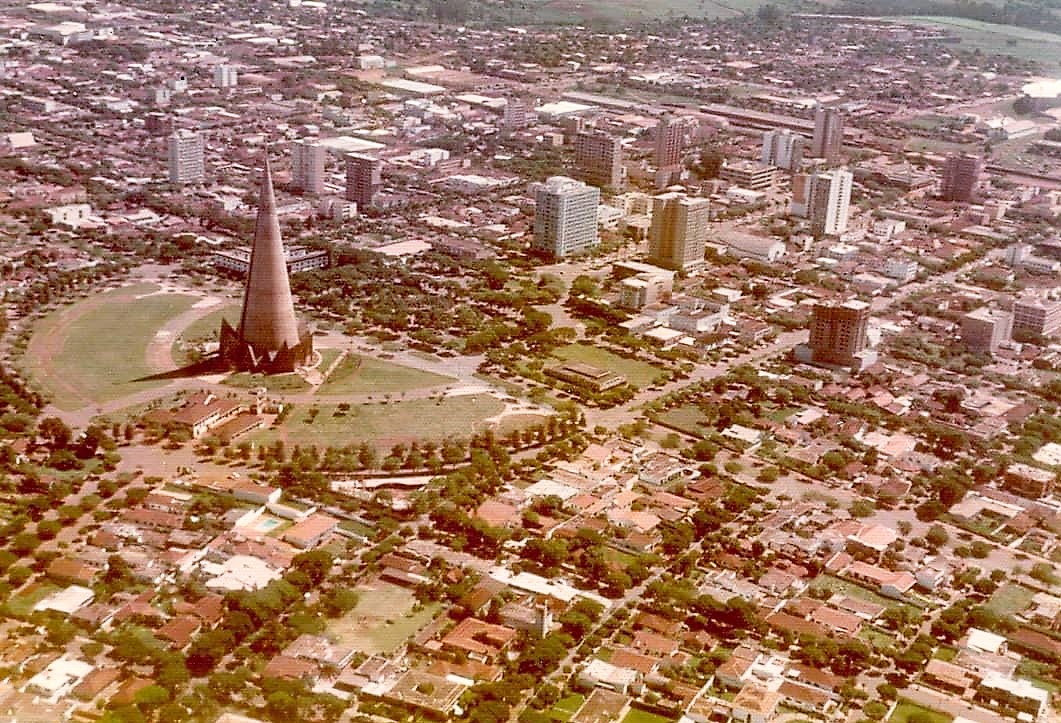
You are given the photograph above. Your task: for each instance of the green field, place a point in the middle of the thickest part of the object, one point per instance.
(992, 39)
(366, 375)
(905, 709)
(643, 716)
(385, 424)
(280, 383)
(91, 351)
(205, 329)
(637, 373)
(1010, 599)
(21, 605)
(383, 619)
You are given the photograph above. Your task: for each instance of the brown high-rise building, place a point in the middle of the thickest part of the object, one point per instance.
(839, 335)
(828, 134)
(679, 231)
(961, 175)
(269, 338)
(599, 158)
(363, 179)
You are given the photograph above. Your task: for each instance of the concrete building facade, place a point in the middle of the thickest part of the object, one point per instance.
(565, 217)
(983, 330)
(1036, 315)
(307, 166)
(961, 176)
(187, 163)
(364, 176)
(829, 199)
(599, 158)
(828, 134)
(783, 149)
(839, 336)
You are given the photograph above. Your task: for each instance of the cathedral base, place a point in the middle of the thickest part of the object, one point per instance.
(239, 354)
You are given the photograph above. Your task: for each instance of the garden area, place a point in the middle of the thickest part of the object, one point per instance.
(385, 617)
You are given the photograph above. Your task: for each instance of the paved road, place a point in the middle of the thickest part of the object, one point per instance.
(703, 372)
(949, 704)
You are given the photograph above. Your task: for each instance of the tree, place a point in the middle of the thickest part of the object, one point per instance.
(937, 536)
(55, 431)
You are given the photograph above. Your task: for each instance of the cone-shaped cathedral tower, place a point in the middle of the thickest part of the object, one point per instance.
(269, 338)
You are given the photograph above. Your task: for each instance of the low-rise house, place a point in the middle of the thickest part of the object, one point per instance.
(600, 674)
(888, 582)
(755, 704)
(311, 531)
(479, 640)
(1012, 698)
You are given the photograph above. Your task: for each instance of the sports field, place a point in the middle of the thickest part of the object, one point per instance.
(383, 619)
(367, 375)
(92, 351)
(384, 425)
(992, 39)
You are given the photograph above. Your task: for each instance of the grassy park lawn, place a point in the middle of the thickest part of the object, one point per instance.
(637, 373)
(905, 709)
(205, 329)
(688, 418)
(384, 425)
(383, 619)
(367, 375)
(92, 351)
(1010, 599)
(272, 382)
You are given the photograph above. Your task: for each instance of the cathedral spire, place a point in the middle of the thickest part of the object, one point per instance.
(268, 320)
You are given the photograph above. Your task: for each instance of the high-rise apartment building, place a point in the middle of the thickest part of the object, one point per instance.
(364, 176)
(225, 76)
(783, 149)
(307, 166)
(1036, 315)
(961, 175)
(515, 116)
(829, 198)
(839, 336)
(828, 134)
(984, 329)
(565, 217)
(186, 158)
(669, 142)
(599, 158)
(679, 230)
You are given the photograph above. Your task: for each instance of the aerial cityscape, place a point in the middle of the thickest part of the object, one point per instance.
(537, 361)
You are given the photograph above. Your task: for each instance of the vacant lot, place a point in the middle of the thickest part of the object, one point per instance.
(383, 619)
(366, 375)
(1010, 599)
(638, 373)
(385, 425)
(92, 351)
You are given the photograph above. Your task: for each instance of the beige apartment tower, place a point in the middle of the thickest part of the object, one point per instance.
(307, 166)
(599, 158)
(983, 330)
(186, 158)
(679, 231)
